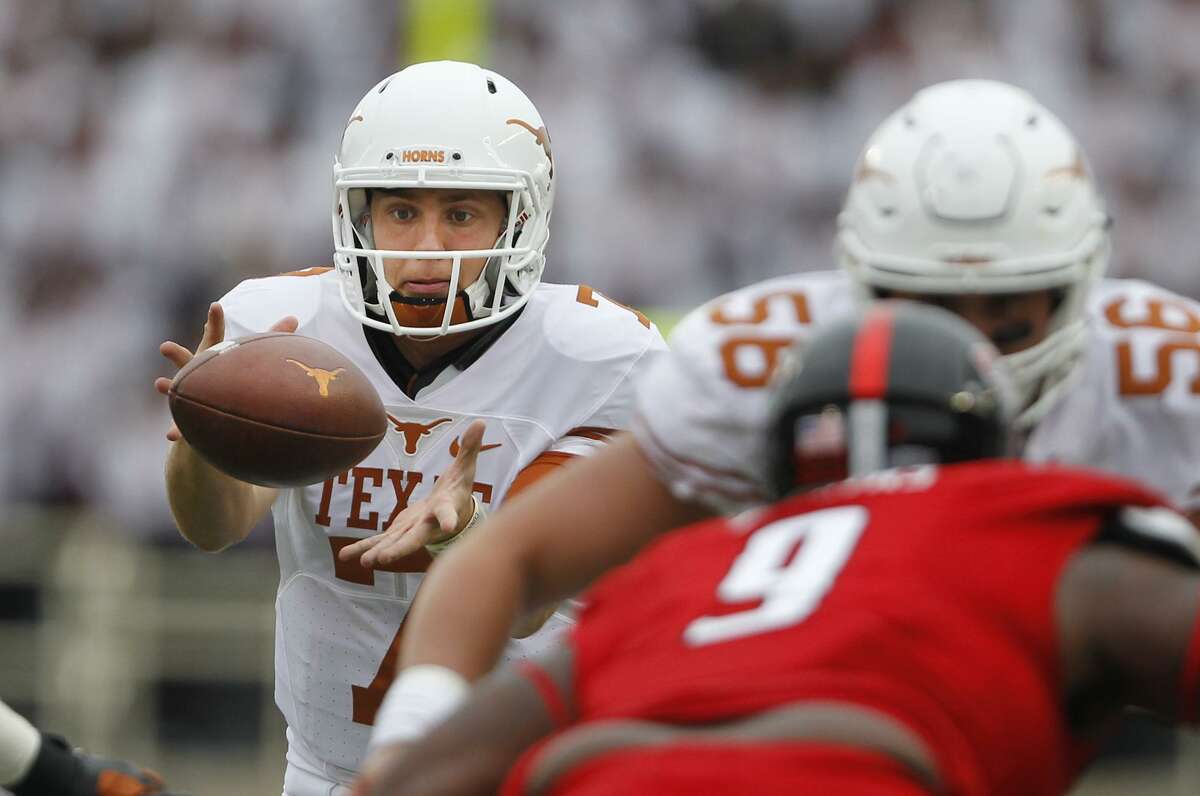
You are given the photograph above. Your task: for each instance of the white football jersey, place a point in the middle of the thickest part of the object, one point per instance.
(1132, 407)
(559, 378)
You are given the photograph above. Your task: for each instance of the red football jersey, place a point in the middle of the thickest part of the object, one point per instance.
(927, 594)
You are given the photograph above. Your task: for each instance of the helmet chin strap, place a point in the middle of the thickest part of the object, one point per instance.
(471, 302)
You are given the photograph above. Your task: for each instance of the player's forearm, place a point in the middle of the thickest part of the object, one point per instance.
(212, 510)
(504, 715)
(465, 632)
(543, 546)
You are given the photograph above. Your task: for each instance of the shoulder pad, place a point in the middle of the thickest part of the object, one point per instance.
(585, 324)
(255, 304)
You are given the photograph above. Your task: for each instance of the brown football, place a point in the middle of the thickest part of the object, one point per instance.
(277, 409)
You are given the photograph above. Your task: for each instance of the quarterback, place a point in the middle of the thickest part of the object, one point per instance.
(992, 214)
(443, 188)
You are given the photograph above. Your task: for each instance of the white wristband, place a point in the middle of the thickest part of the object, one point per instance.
(417, 701)
(477, 516)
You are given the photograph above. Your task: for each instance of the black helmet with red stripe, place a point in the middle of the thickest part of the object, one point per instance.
(904, 383)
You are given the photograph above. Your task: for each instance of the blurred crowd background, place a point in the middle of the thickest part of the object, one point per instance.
(153, 153)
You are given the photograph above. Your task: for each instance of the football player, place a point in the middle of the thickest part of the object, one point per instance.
(973, 196)
(444, 183)
(36, 764)
(959, 624)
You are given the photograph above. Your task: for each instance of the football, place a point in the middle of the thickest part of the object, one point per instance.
(277, 409)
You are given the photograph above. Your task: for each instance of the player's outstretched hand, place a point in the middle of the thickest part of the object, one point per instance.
(445, 512)
(61, 771)
(214, 332)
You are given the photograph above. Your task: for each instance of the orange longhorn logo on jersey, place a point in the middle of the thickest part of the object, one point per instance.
(323, 378)
(414, 431)
(456, 446)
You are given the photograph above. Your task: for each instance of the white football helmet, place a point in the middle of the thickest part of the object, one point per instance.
(443, 124)
(974, 187)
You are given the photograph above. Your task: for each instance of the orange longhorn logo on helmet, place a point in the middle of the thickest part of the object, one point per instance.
(541, 135)
(1076, 169)
(323, 378)
(865, 172)
(413, 431)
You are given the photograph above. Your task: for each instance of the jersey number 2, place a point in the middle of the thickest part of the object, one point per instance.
(790, 583)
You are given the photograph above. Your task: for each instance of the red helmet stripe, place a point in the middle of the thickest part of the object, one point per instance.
(872, 353)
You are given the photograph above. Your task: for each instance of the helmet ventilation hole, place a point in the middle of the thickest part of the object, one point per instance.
(491, 86)
(384, 86)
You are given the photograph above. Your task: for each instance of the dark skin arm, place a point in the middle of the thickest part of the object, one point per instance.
(471, 752)
(545, 545)
(1126, 619)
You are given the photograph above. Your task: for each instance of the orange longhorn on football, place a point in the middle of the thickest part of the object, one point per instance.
(277, 409)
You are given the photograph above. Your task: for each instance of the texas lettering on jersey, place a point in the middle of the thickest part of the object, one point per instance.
(369, 488)
(567, 363)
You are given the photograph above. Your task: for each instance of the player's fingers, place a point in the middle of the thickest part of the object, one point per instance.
(177, 354)
(405, 519)
(287, 324)
(471, 440)
(214, 327)
(463, 468)
(374, 555)
(388, 553)
(397, 546)
(352, 551)
(163, 385)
